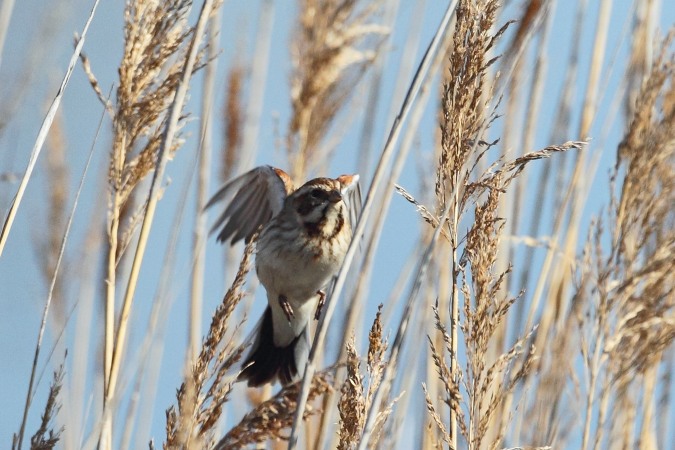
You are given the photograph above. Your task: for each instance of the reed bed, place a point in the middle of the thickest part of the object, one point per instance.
(518, 232)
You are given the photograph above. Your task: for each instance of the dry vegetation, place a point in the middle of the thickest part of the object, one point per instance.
(510, 329)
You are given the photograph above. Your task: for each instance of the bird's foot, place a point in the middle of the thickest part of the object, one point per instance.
(286, 307)
(319, 307)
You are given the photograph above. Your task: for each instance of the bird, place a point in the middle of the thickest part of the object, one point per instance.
(304, 234)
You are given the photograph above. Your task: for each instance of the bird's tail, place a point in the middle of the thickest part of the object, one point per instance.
(266, 361)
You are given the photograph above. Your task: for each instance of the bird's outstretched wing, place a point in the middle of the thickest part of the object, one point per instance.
(351, 192)
(254, 198)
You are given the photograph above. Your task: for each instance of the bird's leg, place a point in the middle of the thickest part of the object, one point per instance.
(319, 307)
(285, 306)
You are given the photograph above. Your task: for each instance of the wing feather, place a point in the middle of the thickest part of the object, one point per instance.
(257, 211)
(254, 198)
(238, 212)
(262, 214)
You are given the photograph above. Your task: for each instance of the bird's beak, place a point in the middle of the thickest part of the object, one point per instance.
(348, 182)
(334, 196)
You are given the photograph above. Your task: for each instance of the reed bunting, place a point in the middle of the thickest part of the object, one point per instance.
(304, 235)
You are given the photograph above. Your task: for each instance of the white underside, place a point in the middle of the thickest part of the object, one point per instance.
(286, 331)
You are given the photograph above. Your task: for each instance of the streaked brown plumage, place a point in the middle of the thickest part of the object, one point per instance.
(304, 237)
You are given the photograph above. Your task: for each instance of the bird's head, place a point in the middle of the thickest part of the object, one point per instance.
(317, 200)
(320, 203)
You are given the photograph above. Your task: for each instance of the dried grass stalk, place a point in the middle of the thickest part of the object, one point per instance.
(57, 216)
(46, 437)
(473, 395)
(418, 81)
(205, 150)
(464, 119)
(233, 122)
(205, 391)
(464, 107)
(44, 128)
(626, 292)
(269, 419)
(156, 38)
(351, 404)
(358, 391)
(156, 35)
(335, 43)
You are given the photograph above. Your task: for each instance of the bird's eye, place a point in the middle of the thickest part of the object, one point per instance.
(316, 193)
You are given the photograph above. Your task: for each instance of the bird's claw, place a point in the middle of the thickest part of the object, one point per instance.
(319, 306)
(286, 307)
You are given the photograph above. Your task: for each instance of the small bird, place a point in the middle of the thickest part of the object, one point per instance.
(304, 235)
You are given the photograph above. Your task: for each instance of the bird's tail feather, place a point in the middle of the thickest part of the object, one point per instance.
(266, 361)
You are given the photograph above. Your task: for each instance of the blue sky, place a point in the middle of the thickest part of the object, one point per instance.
(23, 289)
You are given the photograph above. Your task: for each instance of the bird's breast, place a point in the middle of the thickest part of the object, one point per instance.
(297, 266)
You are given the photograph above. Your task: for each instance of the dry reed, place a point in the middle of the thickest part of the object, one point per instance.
(627, 290)
(49, 247)
(268, 420)
(536, 338)
(233, 122)
(44, 130)
(387, 153)
(199, 404)
(331, 52)
(46, 437)
(358, 391)
(150, 97)
(148, 78)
